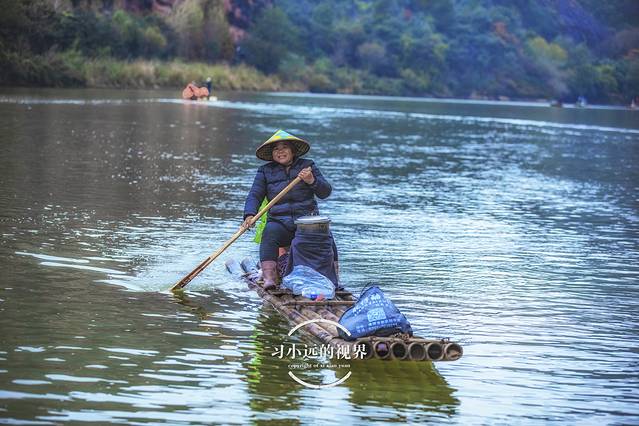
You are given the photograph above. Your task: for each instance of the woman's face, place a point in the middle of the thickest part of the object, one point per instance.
(283, 153)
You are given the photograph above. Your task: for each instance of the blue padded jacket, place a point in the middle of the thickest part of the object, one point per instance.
(272, 177)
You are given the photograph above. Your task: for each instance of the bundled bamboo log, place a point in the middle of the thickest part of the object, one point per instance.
(299, 309)
(325, 313)
(320, 303)
(298, 317)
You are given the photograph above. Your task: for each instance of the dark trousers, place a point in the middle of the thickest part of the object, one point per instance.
(277, 235)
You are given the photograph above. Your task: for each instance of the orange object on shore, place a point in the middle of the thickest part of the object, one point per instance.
(193, 93)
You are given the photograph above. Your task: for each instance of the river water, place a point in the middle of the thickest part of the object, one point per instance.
(511, 228)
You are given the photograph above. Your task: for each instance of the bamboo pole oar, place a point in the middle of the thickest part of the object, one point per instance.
(184, 281)
(320, 303)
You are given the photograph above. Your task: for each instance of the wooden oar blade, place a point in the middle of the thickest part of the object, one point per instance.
(184, 281)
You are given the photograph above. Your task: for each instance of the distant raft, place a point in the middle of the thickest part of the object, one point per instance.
(192, 93)
(299, 309)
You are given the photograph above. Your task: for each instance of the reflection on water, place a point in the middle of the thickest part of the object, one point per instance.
(273, 395)
(415, 391)
(511, 227)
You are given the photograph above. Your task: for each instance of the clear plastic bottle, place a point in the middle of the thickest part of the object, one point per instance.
(309, 293)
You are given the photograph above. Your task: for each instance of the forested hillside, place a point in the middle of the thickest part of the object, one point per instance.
(552, 49)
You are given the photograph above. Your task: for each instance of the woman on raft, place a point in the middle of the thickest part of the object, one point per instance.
(283, 151)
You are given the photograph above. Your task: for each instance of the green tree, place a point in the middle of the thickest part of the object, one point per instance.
(351, 35)
(371, 55)
(27, 26)
(549, 51)
(128, 30)
(292, 67)
(629, 69)
(545, 65)
(271, 39)
(154, 41)
(188, 22)
(202, 29)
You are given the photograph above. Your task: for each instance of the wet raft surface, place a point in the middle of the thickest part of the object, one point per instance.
(323, 314)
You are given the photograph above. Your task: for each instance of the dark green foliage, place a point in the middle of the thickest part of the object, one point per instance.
(272, 38)
(619, 14)
(202, 31)
(489, 48)
(27, 24)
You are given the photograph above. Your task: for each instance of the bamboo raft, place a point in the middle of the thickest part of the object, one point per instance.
(299, 309)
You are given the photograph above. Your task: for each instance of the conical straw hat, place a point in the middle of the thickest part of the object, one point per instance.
(265, 151)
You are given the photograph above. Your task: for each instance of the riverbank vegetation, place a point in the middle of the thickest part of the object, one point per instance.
(446, 48)
(71, 68)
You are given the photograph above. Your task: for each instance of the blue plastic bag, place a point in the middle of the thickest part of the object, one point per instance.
(373, 315)
(306, 281)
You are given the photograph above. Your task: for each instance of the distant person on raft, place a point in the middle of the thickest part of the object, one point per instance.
(209, 87)
(283, 151)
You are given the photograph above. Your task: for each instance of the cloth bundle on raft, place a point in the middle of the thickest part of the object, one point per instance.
(310, 266)
(192, 92)
(314, 250)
